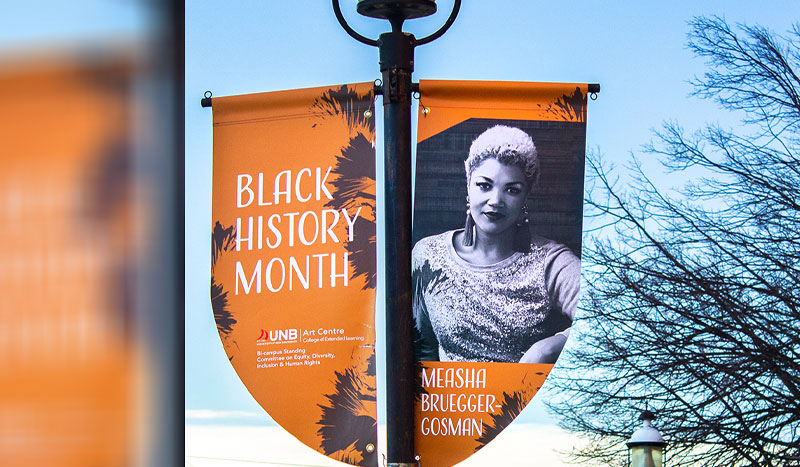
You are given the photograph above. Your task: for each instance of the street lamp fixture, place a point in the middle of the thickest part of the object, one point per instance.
(646, 446)
(409, 9)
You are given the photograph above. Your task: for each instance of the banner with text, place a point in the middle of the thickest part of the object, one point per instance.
(71, 244)
(495, 266)
(293, 260)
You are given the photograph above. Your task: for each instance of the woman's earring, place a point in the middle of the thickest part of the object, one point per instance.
(469, 226)
(522, 237)
(524, 219)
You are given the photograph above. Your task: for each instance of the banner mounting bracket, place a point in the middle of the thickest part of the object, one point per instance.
(378, 89)
(593, 89)
(206, 100)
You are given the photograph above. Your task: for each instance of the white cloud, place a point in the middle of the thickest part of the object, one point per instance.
(528, 445)
(221, 446)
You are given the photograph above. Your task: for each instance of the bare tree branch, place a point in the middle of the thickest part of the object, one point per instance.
(692, 297)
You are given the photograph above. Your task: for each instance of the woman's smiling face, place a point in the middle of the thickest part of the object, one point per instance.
(497, 194)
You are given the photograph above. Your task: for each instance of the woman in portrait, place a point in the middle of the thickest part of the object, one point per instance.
(492, 291)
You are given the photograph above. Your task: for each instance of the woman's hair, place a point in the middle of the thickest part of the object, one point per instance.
(508, 145)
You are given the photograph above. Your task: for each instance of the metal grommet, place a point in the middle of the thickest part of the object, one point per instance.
(425, 110)
(370, 447)
(368, 113)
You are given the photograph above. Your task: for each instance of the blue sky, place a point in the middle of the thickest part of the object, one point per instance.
(635, 50)
(53, 25)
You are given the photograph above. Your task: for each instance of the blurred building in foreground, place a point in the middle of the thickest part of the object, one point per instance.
(90, 209)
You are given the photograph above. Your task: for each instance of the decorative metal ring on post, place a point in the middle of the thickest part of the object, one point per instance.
(382, 8)
(343, 22)
(445, 26)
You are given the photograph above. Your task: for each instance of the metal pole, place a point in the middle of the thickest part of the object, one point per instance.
(396, 50)
(396, 65)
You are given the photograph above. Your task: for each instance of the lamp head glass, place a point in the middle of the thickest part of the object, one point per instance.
(646, 456)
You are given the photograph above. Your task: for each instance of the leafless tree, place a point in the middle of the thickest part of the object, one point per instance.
(692, 297)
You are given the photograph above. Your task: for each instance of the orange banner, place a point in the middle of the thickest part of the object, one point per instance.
(293, 260)
(68, 259)
(495, 266)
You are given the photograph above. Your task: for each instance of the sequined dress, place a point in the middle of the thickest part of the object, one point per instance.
(494, 313)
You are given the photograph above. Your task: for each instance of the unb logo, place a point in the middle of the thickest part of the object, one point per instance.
(278, 335)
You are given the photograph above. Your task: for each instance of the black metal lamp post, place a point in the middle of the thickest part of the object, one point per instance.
(646, 446)
(396, 50)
